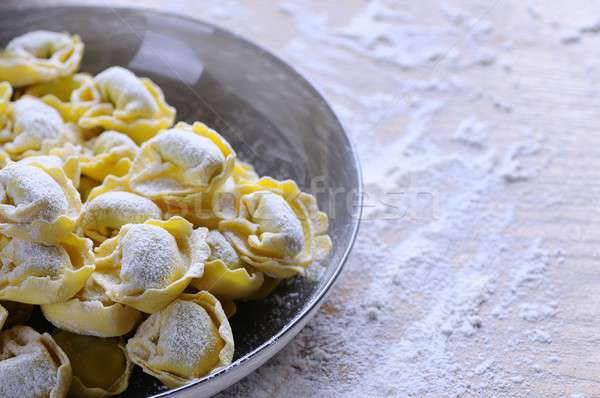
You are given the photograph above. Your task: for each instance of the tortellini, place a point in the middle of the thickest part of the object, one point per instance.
(37, 202)
(224, 276)
(40, 56)
(180, 161)
(129, 104)
(111, 153)
(34, 128)
(104, 215)
(101, 366)
(146, 266)
(185, 341)
(71, 95)
(32, 365)
(36, 273)
(91, 312)
(279, 230)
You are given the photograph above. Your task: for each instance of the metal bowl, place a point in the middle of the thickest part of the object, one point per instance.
(271, 115)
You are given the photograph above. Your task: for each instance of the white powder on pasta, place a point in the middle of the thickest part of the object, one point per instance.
(21, 259)
(28, 186)
(30, 374)
(35, 122)
(187, 335)
(190, 151)
(150, 257)
(115, 209)
(276, 217)
(126, 92)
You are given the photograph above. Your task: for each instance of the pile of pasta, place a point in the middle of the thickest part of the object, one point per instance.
(134, 234)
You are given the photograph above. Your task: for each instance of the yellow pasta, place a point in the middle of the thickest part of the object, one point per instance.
(36, 273)
(34, 128)
(101, 366)
(180, 161)
(185, 341)
(32, 365)
(40, 56)
(111, 154)
(128, 104)
(224, 276)
(146, 266)
(37, 202)
(91, 312)
(279, 230)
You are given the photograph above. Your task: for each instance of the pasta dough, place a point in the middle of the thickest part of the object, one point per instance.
(134, 106)
(185, 341)
(40, 56)
(32, 365)
(146, 266)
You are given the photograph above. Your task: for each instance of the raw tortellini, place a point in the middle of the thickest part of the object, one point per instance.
(101, 367)
(135, 236)
(37, 202)
(126, 103)
(180, 161)
(279, 230)
(185, 341)
(105, 214)
(36, 273)
(224, 276)
(40, 56)
(91, 312)
(34, 127)
(111, 153)
(32, 365)
(146, 266)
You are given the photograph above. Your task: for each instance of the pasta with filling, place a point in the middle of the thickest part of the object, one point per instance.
(180, 161)
(188, 339)
(224, 275)
(146, 266)
(111, 153)
(128, 104)
(279, 230)
(40, 56)
(71, 95)
(36, 273)
(37, 202)
(32, 365)
(35, 128)
(101, 366)
(104, 215)
(91, 312)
